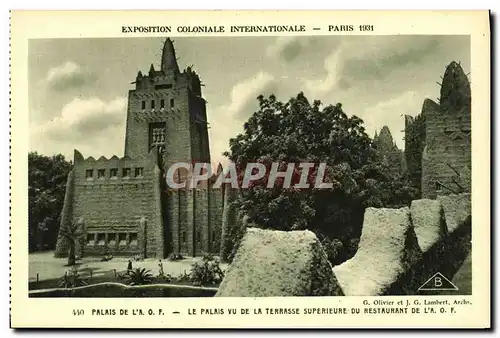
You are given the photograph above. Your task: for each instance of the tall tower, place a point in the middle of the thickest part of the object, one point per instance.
(446, 158)
(166, 112)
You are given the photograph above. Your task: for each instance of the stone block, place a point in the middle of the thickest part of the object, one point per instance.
(457, 208)
(428, 221)
(387, 250)
(279, 263)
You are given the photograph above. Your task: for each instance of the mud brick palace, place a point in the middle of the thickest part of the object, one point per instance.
(124, 207)
(123, 204)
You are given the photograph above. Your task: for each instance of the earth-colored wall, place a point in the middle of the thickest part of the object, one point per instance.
(111, 208)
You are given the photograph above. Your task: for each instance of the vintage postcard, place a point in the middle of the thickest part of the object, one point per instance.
(275, 169)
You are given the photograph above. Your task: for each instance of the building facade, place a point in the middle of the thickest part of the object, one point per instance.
(123, 205)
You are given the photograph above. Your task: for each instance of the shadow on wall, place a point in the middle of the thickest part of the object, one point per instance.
(399, 250)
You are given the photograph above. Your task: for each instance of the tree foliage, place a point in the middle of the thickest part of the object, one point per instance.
(139, 276)
(298, 131)
(72, 234)
(206, 272)
(46, 188)
(71, 279)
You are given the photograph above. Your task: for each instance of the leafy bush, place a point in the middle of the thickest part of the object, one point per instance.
(334, 249)
(139, 276)
(164, 278)
(352, 247)
(184, 277)
(206, 272)
(71, 279)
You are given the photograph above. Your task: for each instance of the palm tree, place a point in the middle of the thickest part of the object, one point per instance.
(72, 234)
(139, 276)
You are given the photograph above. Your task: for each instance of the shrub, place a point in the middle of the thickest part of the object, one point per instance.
(334, 250)
(71, 279)
(164, 278)
(184, 277)
(352, 247)
(206, 272)
(139, 276)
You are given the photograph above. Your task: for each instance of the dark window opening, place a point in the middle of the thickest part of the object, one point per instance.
(90, 239)
(126, 172)
(112, 239)
(143, 105)
(184, 238)
(157, 134)
(139, 172)
(133, 238)
(113, 173)
(171, 103)
(89, 173)
(162, 103)
(101, 239)
(164, 86)
(438, 186)
(213, 236)
(152, 104)
(122, 239)
(100, 173)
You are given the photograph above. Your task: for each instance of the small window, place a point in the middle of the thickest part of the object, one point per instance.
(100, 173)
(438, 186)
(143, 105)
(139, 172)
(198, 236)
(126, 172)
(133, 239)
(162, 103)
(122, 239)
(101, 239)
(113, 173)
(90, 239)
(213, 236)
(111, 239)
(184, 238)
(89, 173)
(152, 104)
(171, 103)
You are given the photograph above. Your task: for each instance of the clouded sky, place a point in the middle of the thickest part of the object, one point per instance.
(78, 87)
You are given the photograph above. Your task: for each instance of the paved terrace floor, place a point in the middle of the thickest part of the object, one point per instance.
(49, 267)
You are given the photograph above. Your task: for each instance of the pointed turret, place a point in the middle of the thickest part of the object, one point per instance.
(151, 70)
(384, 141)
(455, 90)
(168, 59)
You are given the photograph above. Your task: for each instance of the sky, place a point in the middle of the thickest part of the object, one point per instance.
(78, 87)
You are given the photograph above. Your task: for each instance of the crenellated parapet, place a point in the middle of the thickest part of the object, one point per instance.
(114, 169)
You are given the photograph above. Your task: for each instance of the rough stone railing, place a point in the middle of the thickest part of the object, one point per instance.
(111, 289)
(399, 250)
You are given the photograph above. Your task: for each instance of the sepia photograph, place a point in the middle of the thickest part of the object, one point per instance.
(256, 166)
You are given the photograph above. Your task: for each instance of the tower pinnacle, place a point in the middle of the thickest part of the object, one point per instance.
(168, 60)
